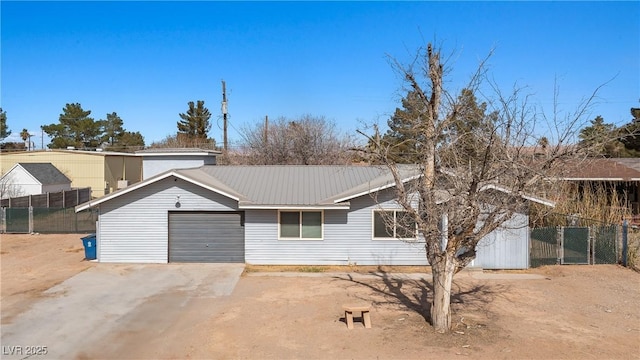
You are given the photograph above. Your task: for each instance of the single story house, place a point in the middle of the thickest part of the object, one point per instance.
(33, 179)
(313, 215)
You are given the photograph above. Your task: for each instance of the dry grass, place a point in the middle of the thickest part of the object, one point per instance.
(601, 203)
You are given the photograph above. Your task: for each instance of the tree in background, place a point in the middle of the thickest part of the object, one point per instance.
(629, 135)
(183, 141)
(75, 128)
(468, 185)
(195, 123)
(308, 140)
(622, 141)
(4, 130)
(128, 141)
(596, 133)
(113, 129)
(25, 136)
(401, 138)
(116, 138)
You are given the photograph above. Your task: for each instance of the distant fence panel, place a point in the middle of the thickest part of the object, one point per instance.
(48, 220)
(605, 244)
(61, 199)
(16, 220)
(56, 200)
(544, 246)
(40, 201)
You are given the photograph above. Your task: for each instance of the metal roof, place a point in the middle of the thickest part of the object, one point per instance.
(45, 173)
(176, 152)
(284, 186)
(291, 185)
(276, 186)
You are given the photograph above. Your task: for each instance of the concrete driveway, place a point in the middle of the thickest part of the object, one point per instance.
(99, 312)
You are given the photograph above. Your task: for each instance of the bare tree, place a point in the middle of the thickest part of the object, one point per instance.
(183, 141)
(9, 188)
(308, 140)
(478, 164)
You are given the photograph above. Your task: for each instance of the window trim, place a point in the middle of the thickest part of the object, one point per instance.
(300, 225)
(395, 226)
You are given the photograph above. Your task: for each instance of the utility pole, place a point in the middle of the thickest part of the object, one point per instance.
(224, 114)
(266, 129)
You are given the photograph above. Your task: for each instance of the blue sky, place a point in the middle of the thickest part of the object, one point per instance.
(146, 60)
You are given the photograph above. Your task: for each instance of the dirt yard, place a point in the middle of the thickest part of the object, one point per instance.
(568, 312)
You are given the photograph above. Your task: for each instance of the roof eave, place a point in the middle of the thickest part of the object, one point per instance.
(596, 179)
(524, 196)
(376, 189)
(93, 203)
(251, 206)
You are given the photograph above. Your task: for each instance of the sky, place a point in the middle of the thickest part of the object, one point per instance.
(147, 60)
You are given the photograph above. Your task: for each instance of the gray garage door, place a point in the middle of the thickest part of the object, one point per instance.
(206, 237)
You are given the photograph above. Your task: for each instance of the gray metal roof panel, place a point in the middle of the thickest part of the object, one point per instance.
(177, 151)
(45, 173)
(292, 185)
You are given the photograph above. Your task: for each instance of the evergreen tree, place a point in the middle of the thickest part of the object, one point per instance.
(629, 136)
(195, 123)
(75, 128)
(128, 141)
(113, 129)
(469, 127)
(603, 135)
(4, 130)
(402, 137)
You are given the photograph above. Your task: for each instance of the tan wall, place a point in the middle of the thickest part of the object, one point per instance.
(122, 168)
(83, 168)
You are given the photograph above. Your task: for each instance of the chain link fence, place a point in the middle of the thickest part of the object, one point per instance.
(593, 244)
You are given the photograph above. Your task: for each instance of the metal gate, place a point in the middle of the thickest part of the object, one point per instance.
(574, 245)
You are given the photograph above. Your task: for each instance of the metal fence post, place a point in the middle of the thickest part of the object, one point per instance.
(30, 219)
(591, 247)
(625, 230)
(559, 249)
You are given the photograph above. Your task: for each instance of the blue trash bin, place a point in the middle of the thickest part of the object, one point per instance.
(89, 243)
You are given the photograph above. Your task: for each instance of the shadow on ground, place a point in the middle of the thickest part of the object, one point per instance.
(416, 294)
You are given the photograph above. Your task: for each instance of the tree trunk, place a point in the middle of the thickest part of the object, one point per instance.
(442, 273)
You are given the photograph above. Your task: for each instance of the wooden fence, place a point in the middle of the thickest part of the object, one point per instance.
(58, 200)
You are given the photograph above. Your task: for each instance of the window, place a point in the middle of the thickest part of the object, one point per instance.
(300, 224)
(388, 224)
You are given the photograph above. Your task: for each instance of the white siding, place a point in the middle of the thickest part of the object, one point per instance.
(505, 248)
(55, 188)
(153, 165)
(348, 239)
(134, 226)
(20, 183)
